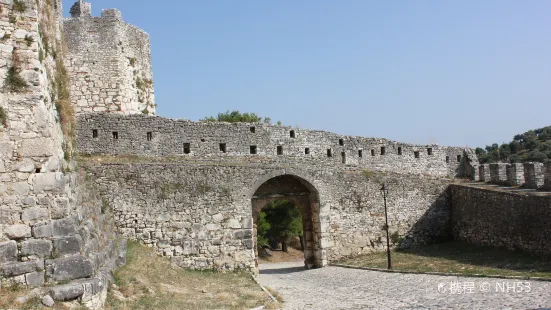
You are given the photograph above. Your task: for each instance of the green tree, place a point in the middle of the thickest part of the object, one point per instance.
(237, 117)
(537, 156)
(284, 222)
(262, 228)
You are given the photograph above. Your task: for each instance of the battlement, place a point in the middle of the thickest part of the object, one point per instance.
(528, 175)
(108, 62)
(81, 9)
(108, 134)
(111, 13)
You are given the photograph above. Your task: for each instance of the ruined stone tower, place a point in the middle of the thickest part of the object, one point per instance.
(109, 63)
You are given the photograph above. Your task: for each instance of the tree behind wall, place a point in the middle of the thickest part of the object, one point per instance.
(279, 220)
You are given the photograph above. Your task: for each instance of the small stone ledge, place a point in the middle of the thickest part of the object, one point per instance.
(451, 274)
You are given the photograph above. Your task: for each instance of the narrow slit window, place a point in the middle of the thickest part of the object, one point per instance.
(399, 150)
(279, 150)
(458, 158)
(252, 129)
(360, 153)
(187, 148)
(38, 170)
(416, 153)
(341, 142)
(429, 151)
(329, 153)
(307, 151)
(223, 147)
(149, 136)
(343, 157)
(115, 135)
(94, 133)
(447, 159)
(383, 150)
(253, 149)
(292, 133)
(202, 140)
(372, 152)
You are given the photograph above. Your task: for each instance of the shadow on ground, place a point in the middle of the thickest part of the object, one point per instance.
(284, 270)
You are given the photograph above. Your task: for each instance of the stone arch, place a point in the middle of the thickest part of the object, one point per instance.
(298, 188)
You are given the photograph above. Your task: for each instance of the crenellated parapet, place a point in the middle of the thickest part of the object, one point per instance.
(110, 134)
(108, 62)
(528, 175)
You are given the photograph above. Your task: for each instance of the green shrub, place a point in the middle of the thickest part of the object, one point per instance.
(29, 40)
(3, 117)
(14, 82)
(19, 6)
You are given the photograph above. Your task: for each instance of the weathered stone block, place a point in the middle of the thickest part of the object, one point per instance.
(547, 178)
(498, 173)
(69, 268)
(68, 245)
(18, 231)
(533, 175)
(484, 171)
(38, 147)
(8, 251)
(35, 214)
(65, 227)
(19, 268)
(35, 279)
(515, 174)
(40, 248)
(50, 181)
(66, 292)
(43, 230)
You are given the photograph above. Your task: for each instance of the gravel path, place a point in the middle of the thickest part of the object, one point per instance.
(343, 288)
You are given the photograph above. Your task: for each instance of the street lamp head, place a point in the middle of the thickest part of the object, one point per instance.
(384, 190)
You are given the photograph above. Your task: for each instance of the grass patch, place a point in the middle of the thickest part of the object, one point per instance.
(152, 282)
(19, 6)
(457, 257)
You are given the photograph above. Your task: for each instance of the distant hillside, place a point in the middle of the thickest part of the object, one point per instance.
(533, 145)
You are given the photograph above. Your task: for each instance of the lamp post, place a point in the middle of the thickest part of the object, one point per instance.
(384, 192)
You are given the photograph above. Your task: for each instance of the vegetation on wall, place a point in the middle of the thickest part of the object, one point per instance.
(3, 117)
(278, 222)
(19, 6)
(14, 82)
(533, 145)
(238, 117)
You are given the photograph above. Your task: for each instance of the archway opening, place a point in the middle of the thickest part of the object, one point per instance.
(280, 236)
(302, 195)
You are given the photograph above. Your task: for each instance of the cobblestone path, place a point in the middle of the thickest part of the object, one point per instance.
(343, 288)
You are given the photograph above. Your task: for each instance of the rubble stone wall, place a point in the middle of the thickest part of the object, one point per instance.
(110, 134)
(109, 63)
(49, 231)
(514, 221)
(200, 213)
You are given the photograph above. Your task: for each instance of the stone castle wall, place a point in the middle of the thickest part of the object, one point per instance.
(200, 213)
(49, 231)
(500, 219)
(109, 63)
(528, 175)
(110, 134)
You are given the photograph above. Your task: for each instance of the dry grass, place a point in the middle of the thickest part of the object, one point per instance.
(9, 295)
(151, 282)
(455, 257)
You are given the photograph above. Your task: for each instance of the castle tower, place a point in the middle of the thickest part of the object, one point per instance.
(108, 62)
(81, 9)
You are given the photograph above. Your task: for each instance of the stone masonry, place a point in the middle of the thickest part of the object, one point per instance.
(192, 190)
(49, 224)
(109, 63)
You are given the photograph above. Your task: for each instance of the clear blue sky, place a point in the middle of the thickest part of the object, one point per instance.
(448, 72)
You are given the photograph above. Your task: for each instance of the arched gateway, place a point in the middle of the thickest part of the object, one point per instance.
(302, 194)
